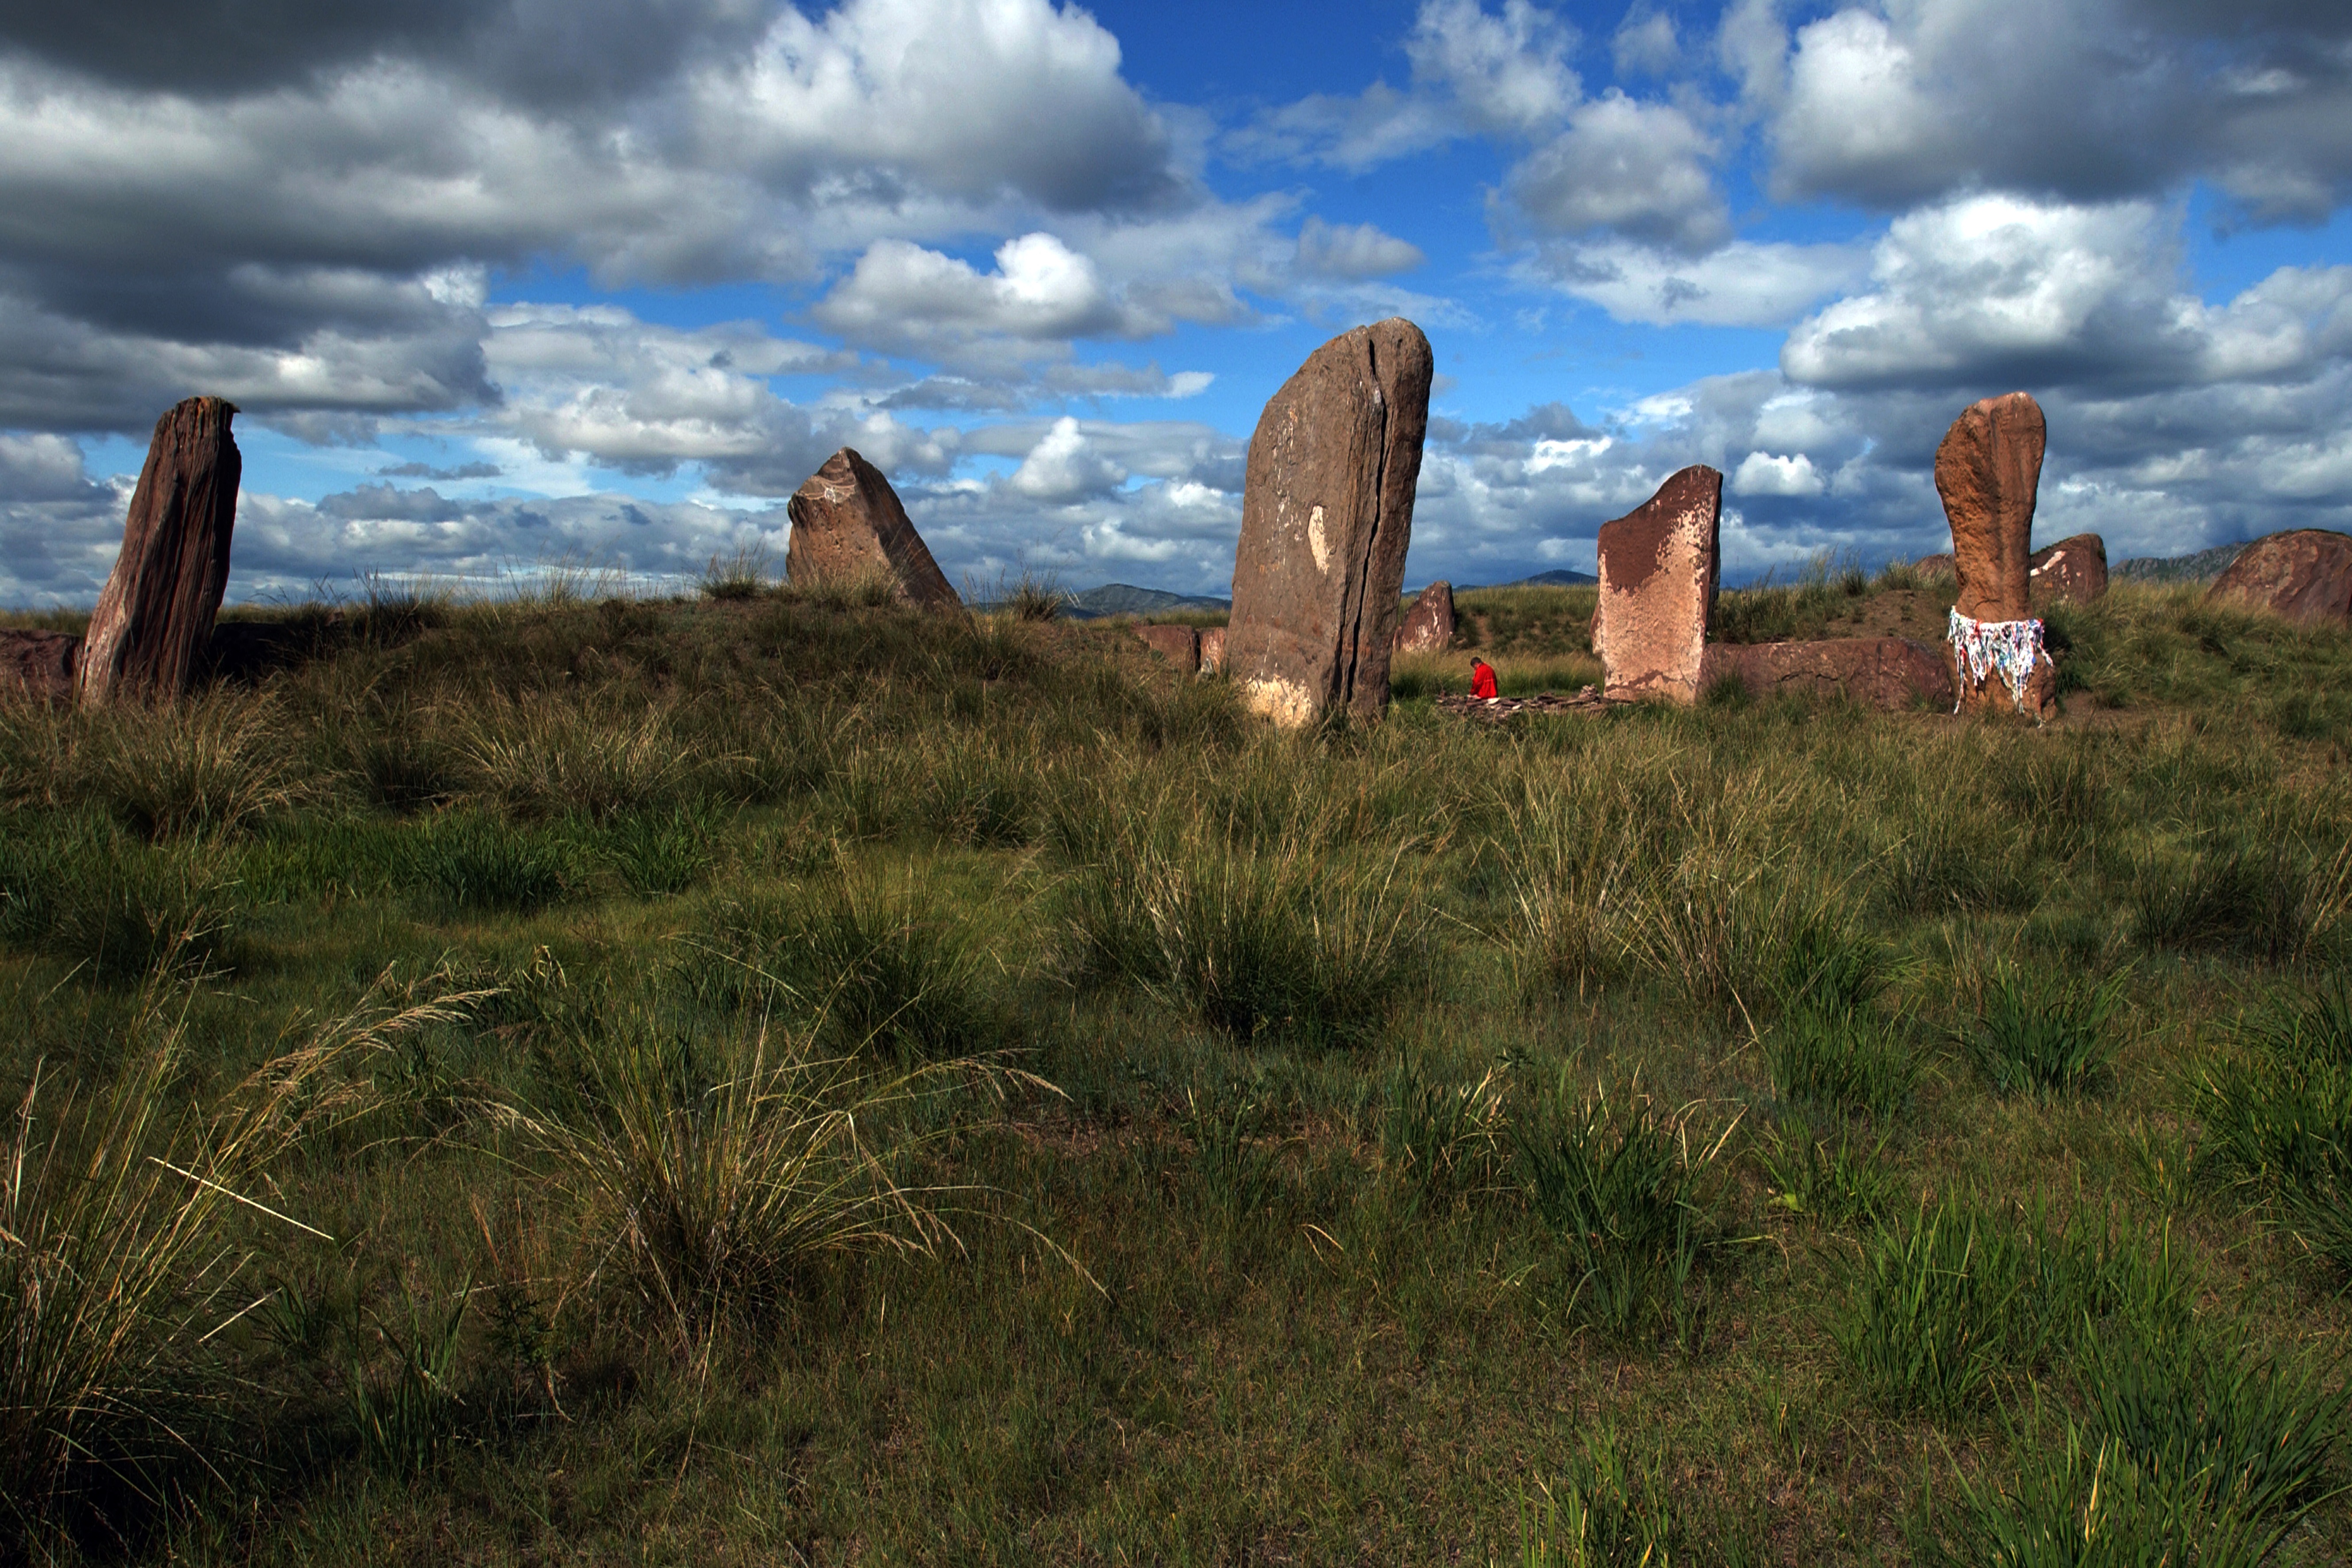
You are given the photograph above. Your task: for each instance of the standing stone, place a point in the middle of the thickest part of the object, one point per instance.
(2072, 572)
(1213, 651)
(1180, 645)
(2304, 574)
(147, 636)
(1658, 574)
(848, 526)
(1429, 625)
(1327, 513)
(1988, 470)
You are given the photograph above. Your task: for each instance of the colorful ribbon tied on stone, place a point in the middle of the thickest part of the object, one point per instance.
(2012, 647)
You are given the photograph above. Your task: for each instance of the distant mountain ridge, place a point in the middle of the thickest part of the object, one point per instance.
(1127, 599)
(2202, 567)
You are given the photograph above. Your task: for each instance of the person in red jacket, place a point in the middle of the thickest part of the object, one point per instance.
(1482, 679)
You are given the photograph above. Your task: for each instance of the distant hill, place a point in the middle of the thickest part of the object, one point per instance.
(1560, 578)
(2202, 567)
(1127, 599)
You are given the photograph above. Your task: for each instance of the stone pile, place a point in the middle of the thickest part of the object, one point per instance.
(1987, 469)
(1429, 625)
(2304, 574)
(1327, 513)
(849, 527)
(1658, 575)
(147, 637)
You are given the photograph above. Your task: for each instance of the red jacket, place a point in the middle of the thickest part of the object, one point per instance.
(1482, 679)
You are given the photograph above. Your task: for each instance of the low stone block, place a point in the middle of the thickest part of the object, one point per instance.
(1658, 574)
(2304, 574)
(37, 665)
(2072, 572)
(1890, 673)
(1180, 645)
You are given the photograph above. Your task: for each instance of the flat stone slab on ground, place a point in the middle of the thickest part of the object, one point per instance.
(1491, 709)
(1891, 673)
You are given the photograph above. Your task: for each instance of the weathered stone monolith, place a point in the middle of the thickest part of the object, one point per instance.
(848, 526)
(1180, 645)
(2304, 574)
(2072, 572)
(1429, 623)
(1658, 574)
(1327, 513)
(1988, 470)
(147, 636)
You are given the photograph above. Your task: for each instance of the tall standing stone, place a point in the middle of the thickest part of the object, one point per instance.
(1429, 623)
(1658, 576)
(147, 636)
(1327, 513)
(1988, 470)
(848, 526)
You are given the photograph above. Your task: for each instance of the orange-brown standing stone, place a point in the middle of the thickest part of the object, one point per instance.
(2305, 574)
(1987, 471)
(1658, 574)
(848, 524)
(1327, 513)
(147, 636)
(1429, 623)
(1213, 651)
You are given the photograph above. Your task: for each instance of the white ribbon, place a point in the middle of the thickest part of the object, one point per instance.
(2012, 647)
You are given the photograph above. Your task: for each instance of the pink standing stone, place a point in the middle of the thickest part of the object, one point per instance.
(1658, 574)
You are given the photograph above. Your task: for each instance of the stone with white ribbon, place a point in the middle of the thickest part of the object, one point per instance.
(2012, 647)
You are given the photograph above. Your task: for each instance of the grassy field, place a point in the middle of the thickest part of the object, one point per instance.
(782, 1079)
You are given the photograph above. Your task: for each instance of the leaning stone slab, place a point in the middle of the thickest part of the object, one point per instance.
(1213, 651)
(1429, 625)
(1327, 513)
(37, 665)
(1658, 574)
(1988, 470)
(1180, 645)
(147, 637)
(2304, 574)
(2072, 572)
(1890, 673)
(848, 526)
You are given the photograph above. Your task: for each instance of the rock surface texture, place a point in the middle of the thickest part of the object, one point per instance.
(1213, 651)
(1934, 565)
(1327, 513)
(1658, 574)
(2305, 574)
(1429, 625)
(847, 525)
(1987, 471)
(147, 636)
(39, 665)
(2071, 572)
(1180, 645)
(1891, 673)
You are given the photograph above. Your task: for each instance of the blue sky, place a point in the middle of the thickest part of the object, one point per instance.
(504, 284)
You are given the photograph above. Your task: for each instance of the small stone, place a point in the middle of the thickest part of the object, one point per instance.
(1213, 651)
(1658, 574)
(2304, 574)
(848, 526)
(1889, 673)
(37, 665)
(147, 636)
(1180, 645)
(2071, 572)
(1429, 625)
(1326, 514)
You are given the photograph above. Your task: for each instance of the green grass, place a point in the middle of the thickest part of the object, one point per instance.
(932, 1089)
